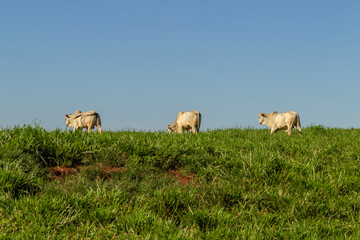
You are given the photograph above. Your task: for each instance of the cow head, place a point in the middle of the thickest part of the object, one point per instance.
(68, 120)
(170, 129)
(262, 118)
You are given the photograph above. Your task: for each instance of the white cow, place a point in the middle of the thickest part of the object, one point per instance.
(189, 121)
(277, 121)
(80, 120)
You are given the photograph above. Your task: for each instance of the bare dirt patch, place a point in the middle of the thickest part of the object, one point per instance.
(107, 171)
(183, 177)
(60, 172)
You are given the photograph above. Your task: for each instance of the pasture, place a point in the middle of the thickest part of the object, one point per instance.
(218, 184)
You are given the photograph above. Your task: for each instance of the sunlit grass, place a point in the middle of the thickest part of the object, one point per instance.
(220, 184)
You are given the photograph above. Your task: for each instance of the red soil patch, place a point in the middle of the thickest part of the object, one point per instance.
(107, 171)
(61, 172)
(183, 178)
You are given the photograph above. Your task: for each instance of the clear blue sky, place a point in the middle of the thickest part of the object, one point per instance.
(138, 63)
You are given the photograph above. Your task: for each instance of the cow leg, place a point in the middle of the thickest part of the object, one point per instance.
(288, 132)
(289, 129)
(193, 128)
(75, 128)
(298, 128)
(89, 129)
(179, 130)
(99, 129)
(273, 130)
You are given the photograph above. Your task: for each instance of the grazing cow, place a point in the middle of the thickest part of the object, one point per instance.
(277, 121)
(189, 121)
(87, 120)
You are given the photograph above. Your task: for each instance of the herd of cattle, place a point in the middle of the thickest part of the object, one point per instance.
(190, 121)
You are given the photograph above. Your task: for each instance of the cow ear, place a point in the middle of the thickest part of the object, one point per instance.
(263, 114)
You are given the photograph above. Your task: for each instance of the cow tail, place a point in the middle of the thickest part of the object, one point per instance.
(98, 122)
(298, 126)
(198, 121)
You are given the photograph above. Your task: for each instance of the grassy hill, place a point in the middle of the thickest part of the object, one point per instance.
(220, 184)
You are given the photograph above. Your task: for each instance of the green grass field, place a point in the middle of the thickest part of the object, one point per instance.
(219, 184)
